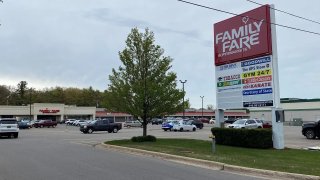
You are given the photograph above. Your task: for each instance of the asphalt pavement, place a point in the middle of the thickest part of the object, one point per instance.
(65, 153)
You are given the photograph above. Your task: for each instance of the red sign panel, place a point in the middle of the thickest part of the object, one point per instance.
(49, 110)
(245, 36)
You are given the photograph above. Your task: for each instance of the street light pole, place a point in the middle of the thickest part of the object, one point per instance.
(183, 95)
(30, 103)
(202, 104)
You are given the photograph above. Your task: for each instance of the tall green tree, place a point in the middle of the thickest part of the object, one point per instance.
(144, 86)
(4, 95)
(21, 92)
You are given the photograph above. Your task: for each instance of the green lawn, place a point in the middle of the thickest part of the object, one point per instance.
(287, 160)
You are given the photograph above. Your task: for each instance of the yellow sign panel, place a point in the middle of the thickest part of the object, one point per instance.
(256, 73)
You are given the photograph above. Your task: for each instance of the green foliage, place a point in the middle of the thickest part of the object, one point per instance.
(147, 138)
(252, 138)
(143, 85)
(4, 94)
(69, 96)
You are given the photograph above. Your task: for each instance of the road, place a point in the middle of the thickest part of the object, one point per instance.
(65, 153)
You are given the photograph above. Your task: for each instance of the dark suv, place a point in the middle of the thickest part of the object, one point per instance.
(156, 121)
(197, 123)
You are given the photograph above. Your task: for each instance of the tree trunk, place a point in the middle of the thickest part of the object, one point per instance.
(144, 126)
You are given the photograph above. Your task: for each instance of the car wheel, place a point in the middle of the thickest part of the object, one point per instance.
(194, 129)
(165, 129)
(175, 130)
(90, 131)
(128, 126)
(54, 126)
(259, 127)
(200, 127)
(115, 130)
(310, 134)
(181, 129)
(41, 126)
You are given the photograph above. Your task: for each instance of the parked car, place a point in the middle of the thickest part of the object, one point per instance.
(245, 123)
(74, 123)
(197, 123)
(70, 121)
(204, 120)
(168, 125)
(101, 125)
(228, 122)
(45, 123)
(130, 124)
(9, 127)
(184, 126)
(212, 121)
(24, 125)
(79, 122)
(311, 130)
(156, 121)
(29, 122)
(266, 124)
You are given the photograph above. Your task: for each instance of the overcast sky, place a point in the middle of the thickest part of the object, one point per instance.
(75, 43)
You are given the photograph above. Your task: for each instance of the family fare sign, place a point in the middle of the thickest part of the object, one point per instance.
(245, 36)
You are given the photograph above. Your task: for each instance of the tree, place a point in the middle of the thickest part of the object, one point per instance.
(210, 107)
(4, 95)
(21, 91)
(143, 86)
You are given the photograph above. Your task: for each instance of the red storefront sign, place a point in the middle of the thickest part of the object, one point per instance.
(49, 110)
(243, 37)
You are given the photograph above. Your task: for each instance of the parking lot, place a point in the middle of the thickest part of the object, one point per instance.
(292, 135)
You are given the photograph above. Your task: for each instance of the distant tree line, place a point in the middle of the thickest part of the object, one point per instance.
(23, 95)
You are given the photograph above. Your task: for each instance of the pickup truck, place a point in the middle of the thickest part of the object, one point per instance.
(45, 123)
(101, 125)
(311, 130)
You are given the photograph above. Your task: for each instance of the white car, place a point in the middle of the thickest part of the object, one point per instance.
(9, 127)
(183, 126)
(70, 121)
(245, 123)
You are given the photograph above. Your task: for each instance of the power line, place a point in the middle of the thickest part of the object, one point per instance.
(227, 12)
(300, 17)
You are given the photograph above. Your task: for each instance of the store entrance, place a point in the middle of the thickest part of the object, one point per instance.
(47, 117)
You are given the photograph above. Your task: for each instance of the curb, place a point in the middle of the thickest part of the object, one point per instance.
(213, 165)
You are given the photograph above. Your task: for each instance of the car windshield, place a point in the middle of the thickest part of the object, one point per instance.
(8, 122)
(241, 121)
(92, 122)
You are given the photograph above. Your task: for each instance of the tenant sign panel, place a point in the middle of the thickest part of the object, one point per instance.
(243, 59)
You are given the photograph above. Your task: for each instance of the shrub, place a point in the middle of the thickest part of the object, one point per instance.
(143, 138)
(252, 138)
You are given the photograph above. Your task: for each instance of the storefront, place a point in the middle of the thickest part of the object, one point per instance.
(56, 112)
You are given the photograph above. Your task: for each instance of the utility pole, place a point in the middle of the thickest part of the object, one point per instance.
(202, 104)
(30, 96)
(183, 95)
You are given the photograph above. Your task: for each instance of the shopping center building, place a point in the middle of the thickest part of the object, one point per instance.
(296, 112)
(53, 111)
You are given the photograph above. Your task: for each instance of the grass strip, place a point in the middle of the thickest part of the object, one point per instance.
(287, 160)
